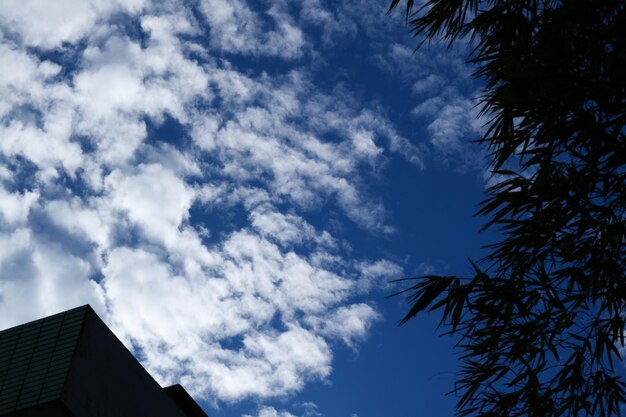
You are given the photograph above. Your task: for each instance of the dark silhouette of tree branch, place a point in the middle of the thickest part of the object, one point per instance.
(541, 323)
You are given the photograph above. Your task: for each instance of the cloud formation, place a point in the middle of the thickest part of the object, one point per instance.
(173, 163)
(129, 133)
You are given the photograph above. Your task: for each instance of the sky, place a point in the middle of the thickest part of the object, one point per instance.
(232, 185)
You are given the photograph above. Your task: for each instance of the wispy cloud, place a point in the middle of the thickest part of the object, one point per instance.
(270, 412)
(235, 27)
(94, 208)
(173, 163)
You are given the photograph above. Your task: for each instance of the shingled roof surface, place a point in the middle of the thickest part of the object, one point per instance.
(35, 359)
(72, 365)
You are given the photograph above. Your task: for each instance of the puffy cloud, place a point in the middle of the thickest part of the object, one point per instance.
(124, 84)
(293, 155)
(41, 278)
(95, 207)
(347, 323)
(270, 412)
(307, 409)
(201, 318)
(153, 198)
(82, 219)
(48, 147)
(376, 274)
(21, 76)
(288, 229)
(15, 207)
(48, 25)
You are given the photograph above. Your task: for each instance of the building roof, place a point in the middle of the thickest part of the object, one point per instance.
(71, 364)
(35, 359)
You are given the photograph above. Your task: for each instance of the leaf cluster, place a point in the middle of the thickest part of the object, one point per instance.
(542, 323)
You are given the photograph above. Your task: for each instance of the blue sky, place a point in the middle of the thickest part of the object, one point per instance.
(232, 184)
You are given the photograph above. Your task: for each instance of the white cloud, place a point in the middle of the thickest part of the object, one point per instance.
(291, 154)
(15, 207)
(197, 315)
(453, 131)
(153, 198)
(288, 229)
(348, 324)
(234, 27)
(20, 76)
(13, 243)
(103, 211)
(40, 279)
(49, 24)
(49, 147)
(335, 26)
(82, 220)
(428, 84)
(124, 84)
(451, 124)
(309, 409)
(270, 412)
(377, 274)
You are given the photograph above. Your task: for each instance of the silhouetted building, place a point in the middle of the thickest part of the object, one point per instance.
(71, 365)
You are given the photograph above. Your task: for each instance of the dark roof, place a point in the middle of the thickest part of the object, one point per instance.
(72, 365)
(184, 401)
(35, 359)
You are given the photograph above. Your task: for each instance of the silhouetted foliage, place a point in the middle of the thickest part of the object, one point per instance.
(541, 322)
